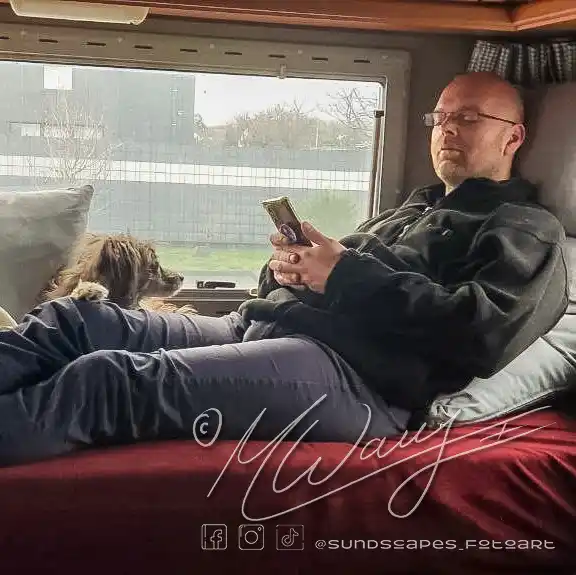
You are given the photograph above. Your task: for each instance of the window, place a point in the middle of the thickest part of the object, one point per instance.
(30, 130)
(185, 158)
(57, 77)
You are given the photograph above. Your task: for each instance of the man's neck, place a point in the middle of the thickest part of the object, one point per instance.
(450, 187)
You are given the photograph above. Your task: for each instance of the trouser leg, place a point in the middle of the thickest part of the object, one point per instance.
(118, 396)
(58, 332)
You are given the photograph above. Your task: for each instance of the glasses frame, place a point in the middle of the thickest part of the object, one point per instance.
(429, 117)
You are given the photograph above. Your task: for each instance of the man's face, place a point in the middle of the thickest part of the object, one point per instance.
(466, 149)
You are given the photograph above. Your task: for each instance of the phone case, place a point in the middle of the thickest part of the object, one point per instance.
(285, 219)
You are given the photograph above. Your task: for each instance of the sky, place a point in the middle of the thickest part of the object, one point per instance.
(219, 97)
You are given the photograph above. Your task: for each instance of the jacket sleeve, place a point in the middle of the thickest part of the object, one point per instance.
(512, 289)
(266, 281)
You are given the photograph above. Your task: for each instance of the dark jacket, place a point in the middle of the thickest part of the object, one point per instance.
(435, 292)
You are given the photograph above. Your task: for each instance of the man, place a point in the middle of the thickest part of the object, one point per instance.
(363, 332)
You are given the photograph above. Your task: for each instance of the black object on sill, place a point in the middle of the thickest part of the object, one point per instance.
(214, 284)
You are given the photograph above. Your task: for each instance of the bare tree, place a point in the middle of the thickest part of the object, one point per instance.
(354, 112)
(76, 148)
(200, 129)
(346, 122)
(283, 125)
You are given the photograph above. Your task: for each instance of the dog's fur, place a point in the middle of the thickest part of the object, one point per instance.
(120, 268)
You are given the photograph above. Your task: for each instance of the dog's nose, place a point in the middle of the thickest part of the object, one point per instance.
(181, 277)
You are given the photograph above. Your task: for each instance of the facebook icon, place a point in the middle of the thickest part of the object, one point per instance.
(214, 537)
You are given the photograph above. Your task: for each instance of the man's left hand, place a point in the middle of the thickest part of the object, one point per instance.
(314, 263)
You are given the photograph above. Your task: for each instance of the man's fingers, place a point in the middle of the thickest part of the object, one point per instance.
(286, 256)
(280, 240)
(314, 235)
(283, 267)
(287, 279)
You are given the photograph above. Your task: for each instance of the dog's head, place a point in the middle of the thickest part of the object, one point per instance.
(128, 267)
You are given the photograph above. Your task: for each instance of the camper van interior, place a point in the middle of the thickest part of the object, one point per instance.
(172, 121)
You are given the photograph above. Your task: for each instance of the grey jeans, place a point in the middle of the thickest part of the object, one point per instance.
(77, 374)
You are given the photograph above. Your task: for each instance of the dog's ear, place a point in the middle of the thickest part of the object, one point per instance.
(148, 256)
(117, 266)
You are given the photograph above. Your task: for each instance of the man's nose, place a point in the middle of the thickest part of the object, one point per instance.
(449, 125)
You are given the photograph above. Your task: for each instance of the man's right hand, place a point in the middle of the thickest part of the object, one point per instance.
(282, 252)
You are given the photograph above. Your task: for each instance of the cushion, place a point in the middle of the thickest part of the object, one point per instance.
(548, 156)
(536, 377)
(6, 320)
(38, 230)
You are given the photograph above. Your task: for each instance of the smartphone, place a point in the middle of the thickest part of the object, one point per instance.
(285, 219)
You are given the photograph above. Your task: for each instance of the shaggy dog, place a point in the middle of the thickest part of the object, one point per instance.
(120, 268)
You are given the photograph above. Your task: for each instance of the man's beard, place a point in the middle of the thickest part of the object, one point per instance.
(452, 173)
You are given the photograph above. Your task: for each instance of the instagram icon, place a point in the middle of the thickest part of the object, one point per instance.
(290, 537)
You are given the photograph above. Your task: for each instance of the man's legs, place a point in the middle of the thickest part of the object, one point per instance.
(58, 332)
(118, 396)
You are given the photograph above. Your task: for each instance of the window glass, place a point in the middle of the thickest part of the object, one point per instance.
(57, 77)
(185, 159)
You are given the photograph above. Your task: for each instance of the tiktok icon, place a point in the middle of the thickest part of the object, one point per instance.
(290, 537)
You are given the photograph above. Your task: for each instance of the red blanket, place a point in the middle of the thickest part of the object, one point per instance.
(479, 499)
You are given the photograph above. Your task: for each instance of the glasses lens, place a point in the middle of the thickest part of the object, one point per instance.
(431, 119)
(469, 116)
(463, 117)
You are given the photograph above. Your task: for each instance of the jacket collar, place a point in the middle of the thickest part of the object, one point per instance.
(481, 192)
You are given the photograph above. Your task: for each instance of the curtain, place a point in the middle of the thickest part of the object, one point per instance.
(526, 64)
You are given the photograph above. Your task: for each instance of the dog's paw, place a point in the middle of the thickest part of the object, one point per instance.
(187, 310)
(89, 291)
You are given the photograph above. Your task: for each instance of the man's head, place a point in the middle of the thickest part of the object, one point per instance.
(478, 127)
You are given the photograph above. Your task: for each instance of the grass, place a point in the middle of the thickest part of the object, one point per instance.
(192, 259)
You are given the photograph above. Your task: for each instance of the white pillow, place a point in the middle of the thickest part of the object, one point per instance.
(6, 320)
(541, 373)
(38, 230)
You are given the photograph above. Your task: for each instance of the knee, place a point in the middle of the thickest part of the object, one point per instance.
(102, 368)
(56, 308)
(70, 311)
(97, 374)
(100, 360)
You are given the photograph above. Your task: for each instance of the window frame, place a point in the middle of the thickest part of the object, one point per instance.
(66, 45)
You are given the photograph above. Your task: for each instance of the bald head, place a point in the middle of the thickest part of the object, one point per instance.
(481, 131)
(496, 92)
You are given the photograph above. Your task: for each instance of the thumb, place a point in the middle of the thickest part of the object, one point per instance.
(314, 235)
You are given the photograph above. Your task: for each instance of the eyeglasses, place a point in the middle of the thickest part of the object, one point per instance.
(462, 117)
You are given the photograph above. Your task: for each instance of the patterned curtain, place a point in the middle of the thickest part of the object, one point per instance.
(527, 64)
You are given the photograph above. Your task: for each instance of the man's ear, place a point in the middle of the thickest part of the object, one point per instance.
(515, 139)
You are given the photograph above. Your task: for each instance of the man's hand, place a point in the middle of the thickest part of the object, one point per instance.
(282, 252)
(295, 265)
